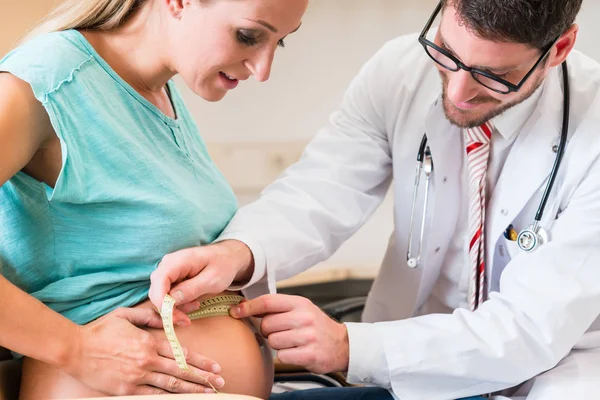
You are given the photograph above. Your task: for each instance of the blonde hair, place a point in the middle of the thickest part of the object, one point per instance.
(102, 15)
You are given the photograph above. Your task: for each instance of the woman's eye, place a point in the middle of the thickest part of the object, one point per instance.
(249, 40)
(245, 39)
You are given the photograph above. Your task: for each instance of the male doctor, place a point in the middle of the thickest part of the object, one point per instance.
(476, 315)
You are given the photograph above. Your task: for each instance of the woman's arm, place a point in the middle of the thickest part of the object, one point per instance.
(27, 324)
(24, 127)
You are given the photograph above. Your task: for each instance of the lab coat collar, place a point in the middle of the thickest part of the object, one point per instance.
(551, 102)
(510, 122)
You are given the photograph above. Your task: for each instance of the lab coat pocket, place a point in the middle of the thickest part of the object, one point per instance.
(511, 248)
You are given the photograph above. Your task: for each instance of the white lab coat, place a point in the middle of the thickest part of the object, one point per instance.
(547, 300)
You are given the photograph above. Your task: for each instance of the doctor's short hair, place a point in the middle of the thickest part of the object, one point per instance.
(533, 22)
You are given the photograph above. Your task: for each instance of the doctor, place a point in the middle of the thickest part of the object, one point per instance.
(475, 314)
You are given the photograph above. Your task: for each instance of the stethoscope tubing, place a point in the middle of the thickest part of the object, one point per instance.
(424, 153)
(561, 146)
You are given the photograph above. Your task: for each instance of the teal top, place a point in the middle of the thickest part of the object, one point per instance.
(134, 186)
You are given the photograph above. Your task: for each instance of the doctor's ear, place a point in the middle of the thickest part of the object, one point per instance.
(563, 46)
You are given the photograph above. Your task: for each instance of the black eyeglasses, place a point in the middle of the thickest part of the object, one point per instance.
(451, 63)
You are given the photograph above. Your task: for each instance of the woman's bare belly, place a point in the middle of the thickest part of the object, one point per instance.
(247, 366)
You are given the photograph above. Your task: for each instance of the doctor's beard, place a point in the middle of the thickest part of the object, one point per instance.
(472, 118)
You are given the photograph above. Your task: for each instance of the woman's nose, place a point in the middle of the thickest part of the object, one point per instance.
(260, 66)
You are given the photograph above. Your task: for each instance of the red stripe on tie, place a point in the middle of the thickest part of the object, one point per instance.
(473, 146)
(481, 267)
(476, 236)
(486, 130)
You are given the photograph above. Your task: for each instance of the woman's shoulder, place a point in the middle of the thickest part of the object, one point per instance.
(47, 61)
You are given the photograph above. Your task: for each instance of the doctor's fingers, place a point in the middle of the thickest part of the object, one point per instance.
(189, 307)
(175, 267)
(211, 279)
(295, 319)
(304, 356)
(269, 304)
(292, 338)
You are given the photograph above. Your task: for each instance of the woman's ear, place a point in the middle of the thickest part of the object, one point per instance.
(175, 7)
(564, 45)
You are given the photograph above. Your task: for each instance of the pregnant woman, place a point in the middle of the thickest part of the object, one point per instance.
(103, 172)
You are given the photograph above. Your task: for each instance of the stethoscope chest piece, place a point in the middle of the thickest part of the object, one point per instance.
(531, 238)
(412, 263)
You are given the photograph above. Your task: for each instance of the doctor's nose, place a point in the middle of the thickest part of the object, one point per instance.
(462, 87)
(260, 65)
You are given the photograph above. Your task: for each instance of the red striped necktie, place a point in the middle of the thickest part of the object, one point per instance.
(478, 151)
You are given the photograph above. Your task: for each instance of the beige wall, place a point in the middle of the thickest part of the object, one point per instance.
(18, 16)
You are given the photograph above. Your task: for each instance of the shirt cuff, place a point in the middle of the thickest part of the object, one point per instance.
(258, 253)
(367, 364)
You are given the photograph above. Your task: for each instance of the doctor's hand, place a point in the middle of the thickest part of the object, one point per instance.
(301, 333)
(190, 273)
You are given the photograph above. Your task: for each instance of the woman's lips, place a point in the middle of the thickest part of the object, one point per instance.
(228, 82)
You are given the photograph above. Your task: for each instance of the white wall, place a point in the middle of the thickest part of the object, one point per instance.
(260, 128)
(587, 40)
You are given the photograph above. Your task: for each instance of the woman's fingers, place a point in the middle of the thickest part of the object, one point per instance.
(139, 316)
(148, 391)
(201, 369)
(171, 384)
(192, 376)
(192, 358)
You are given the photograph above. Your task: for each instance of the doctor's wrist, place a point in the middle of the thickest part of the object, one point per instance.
(343, 348)
(241, 257)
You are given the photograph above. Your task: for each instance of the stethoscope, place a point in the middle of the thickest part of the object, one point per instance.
(529, 238)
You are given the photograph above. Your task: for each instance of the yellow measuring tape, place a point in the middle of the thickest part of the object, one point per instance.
(212, 307)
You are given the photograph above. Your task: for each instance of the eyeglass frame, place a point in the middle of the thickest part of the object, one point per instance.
(512, 88)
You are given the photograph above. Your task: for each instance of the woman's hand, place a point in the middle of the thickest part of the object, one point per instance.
(114, 356)
(197, 271)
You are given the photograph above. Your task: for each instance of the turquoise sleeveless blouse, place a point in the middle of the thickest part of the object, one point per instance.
(134, 186)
